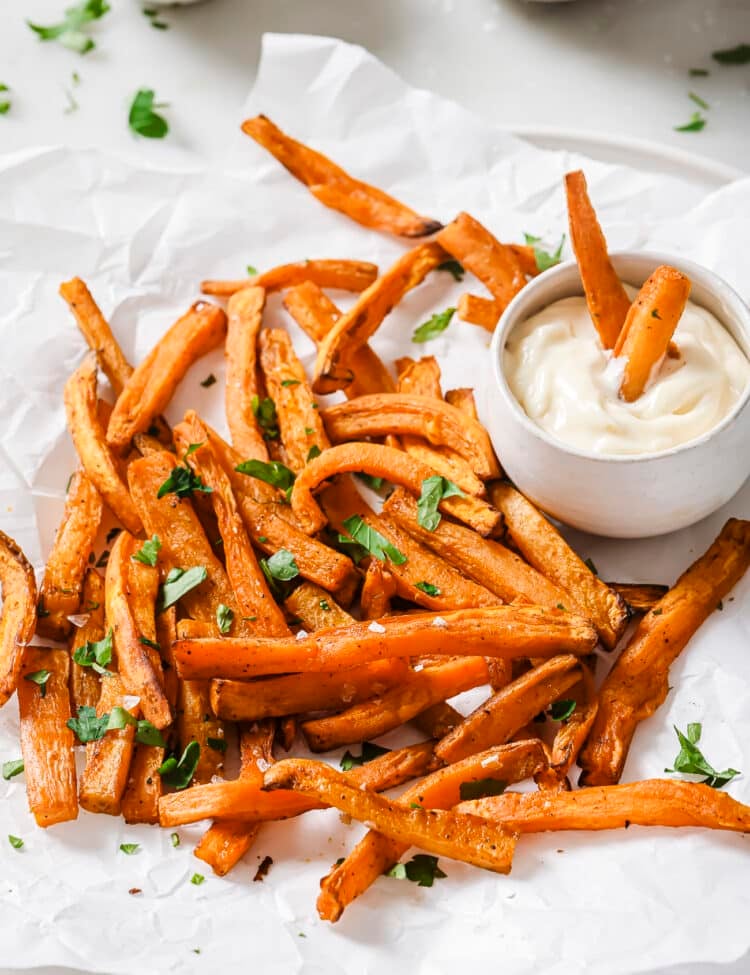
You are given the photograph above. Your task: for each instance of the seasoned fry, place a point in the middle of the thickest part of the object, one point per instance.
(640, 597)
(438, 422)
(497, 631)
(605, 296)
(84, 681)
(376, 853)
(105, 776)
(300, 423)
(637, 684)
(545, 549)
(316, 608)
(152, 384)
(438, 720)
(334, 187)
(488, 562)
(316, 315)
(332, 367)
(392, 465)
(649, 327)
(476, 310)
(98, 334)
(140, 801)
(526, 258)
(420, 377)
(244, 319)
(46, 741)
(378, 590)
(60, 593)
(18, 614)
(496, 265)
(183, 541)
(653, 802)
(463, 400)
(496, 720)
(342, 274)
(392, 708)
(436, 831)
(89, 440)
(296, 693)
(196, 720)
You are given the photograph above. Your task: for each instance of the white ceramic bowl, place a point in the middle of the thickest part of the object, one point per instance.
(632, 496)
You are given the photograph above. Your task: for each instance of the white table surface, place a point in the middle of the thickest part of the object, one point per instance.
(612, 67)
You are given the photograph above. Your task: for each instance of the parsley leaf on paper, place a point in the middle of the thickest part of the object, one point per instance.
(733, 55)
(142, 118)
(700, 102)
(369, 751)
(149, 551)
(422, 870)
(696, 123)
(15, 841)
(371, 541)
(544, 260)
(434, 489)
(153, 16)
(179, 772)
(481, 788)
(4, 102)
(11, 768)
(691, 761)
(69, 31)
(179, 583)
(434, 326)
(130, 848)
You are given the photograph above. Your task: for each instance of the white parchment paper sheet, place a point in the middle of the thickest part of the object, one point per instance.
(143, 238)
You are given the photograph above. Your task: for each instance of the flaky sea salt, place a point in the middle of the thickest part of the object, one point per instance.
(130, 701)
(79, 619)
(301, 634)
(376, 627)
(439, 622)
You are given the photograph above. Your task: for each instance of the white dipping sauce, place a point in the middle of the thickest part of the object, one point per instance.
(568, 384)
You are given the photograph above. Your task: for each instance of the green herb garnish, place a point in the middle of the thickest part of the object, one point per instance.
(15, 841)
(422, 870)
(264, 411)
(130, 848)
(696, 123)
(481, 788)
(544, 260)
(434, 326)
(39, 677)
(148, 552)
(224, 618)
(371, 541)
(218, 744)
(454, 268)
(272, 472)
(691, 761)
(434, 490)
(179, 583)
(11, 768)
(197, 879)
(427, 588)
(369, 751)
(69, 32)
(733, 55)
(86, 725)
(312, 453)
(95, 653)
(142, 118)
(179, 772)
(280, 566)
(562, 710)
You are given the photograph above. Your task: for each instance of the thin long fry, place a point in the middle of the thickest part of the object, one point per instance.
(91, 446)
(653, 802)
(84, 681)
(497, 631)
(196, 719)
(390, 709)
(649, 327)
(345, 275)
(18, 614)
(377, 591)
(97, 333)
(316, 315)
(375, 853)
(296, 693)
(46, 741)
(479, 311)
(315, 607)
(152, 384)
(392, 465)
(397, 413)
(605, 296)
(496, 721)
(334, 187)
(496, 265)
(60, 592)
(244, 319)
(640, 597)
(300, 424)
(573, 732)
(332, 367)
(546, 550)
(438, 720)
(105, 775)
(637, 684)
(436, 831)
(140, 800)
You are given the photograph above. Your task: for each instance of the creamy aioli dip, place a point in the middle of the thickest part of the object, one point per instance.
(568, 384)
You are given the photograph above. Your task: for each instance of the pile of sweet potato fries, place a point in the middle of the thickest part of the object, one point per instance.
(253, 594)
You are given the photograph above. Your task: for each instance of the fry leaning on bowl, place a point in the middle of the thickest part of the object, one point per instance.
(619, 412)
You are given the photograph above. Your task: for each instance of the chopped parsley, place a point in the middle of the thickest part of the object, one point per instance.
(15, 841)
(325, 605)
(481, 788)
(272, 472)
(179, 772)
(183, 480)
(86, 726)
(280, 566)
(218, 744)
(544, 260)
(142, 118)
(4, 102)
(264, 411)
(197, 879)
(40, 678)
(369, 752)
(691, 761)
(454, 268)
(698, 73)
(179, 583)
(427, 588)
(289, 382)
(562, 710)
(174, 839)
(149, 551)
(251, 270)
(130, 848)
(11, 768)
(69, 31)
(434, 326)
(150, 643)
(698, 100)
(371, 541)
(696, 123)
(312, 453)
(422, 870)
(733, 55)
(153, 16)
(95, 653)
(434, 490)
(224, 618)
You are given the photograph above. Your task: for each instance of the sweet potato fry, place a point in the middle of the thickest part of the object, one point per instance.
(18, 614)
(345, 275)
(196, 721)
(637, 684)
(653, 802)
(138, 663)
(463, 400)
(419, 377)
(140, 801)
(315, 607)
(375, 853)
(334, 187)
(438, 720)
(546, 550)
(640, 597)
(300, 424)
(46, 741)
(377, 591)
(605, 296)
(390, 709)
(296, 693)
(438, 422)
(649, 327)
(526, 258)
(481, 311)
(495, 264)
(316, 315)
(392, 465)
(436, 831)
(98, 334)
(84, 681)
(60, 593)
(332, 367)
(496, 631)
(488, 562)
(244, 319)
(183, 541)
(152, 384)
(496, 720)
(573, 731)
(91, 447)
(105, 776)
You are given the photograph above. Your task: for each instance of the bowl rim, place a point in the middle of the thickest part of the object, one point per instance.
(709, 280)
